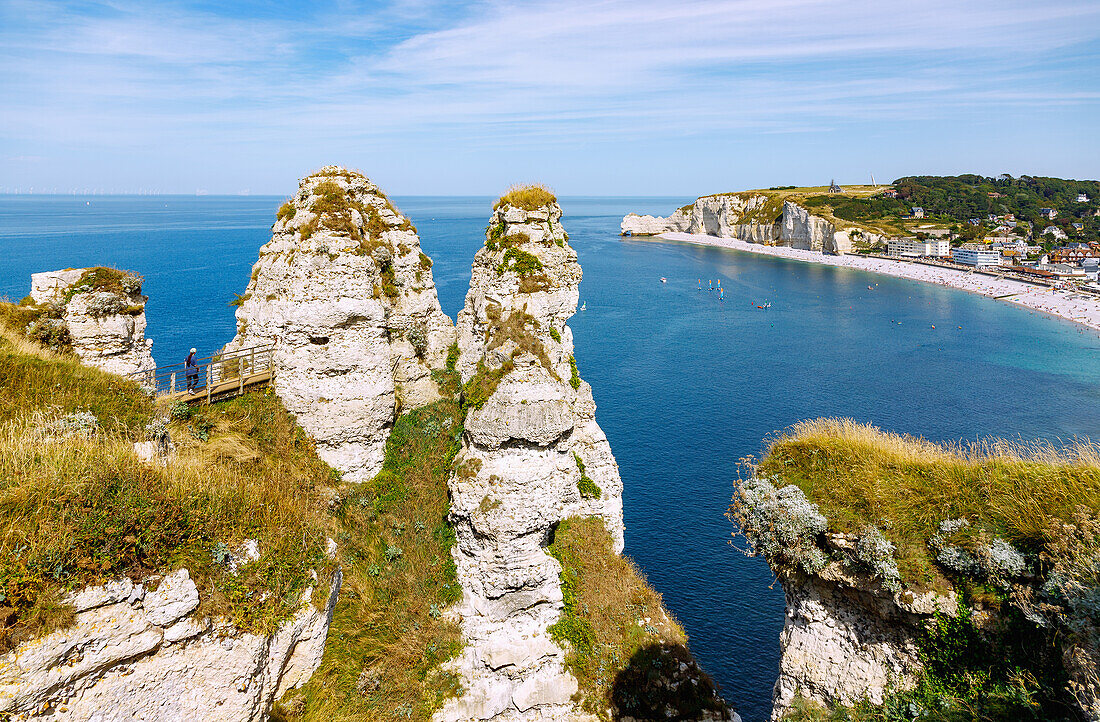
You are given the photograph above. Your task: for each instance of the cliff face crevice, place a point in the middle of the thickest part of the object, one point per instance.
(344, 291)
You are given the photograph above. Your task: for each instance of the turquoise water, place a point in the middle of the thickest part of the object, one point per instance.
(686, 384)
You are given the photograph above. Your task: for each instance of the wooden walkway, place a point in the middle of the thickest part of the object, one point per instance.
(221, 376)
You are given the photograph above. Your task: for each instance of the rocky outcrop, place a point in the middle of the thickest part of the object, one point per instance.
(532, 455)
(345, 292)
(140, 651)
(752, 218)
(97, 312)
(845, 638)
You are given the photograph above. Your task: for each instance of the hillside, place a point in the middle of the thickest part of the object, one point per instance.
(973, 572)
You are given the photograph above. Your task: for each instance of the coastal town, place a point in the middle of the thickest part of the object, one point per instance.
(1043, 257)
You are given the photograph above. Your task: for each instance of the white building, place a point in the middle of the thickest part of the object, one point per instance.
(918, 212)
(1082, 198)
(974, 255)
(913, 248)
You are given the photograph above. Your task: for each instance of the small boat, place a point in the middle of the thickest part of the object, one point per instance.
(583, 304)
(664, 280)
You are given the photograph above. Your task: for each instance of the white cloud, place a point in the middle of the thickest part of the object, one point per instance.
(541, 73)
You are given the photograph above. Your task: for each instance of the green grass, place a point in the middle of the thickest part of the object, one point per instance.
(35, 380)
(519, 262)
(79, 511)
(388, 637)
(102, 278)
(588, 488)
(859, 475)
(528, 197)
(621, 645)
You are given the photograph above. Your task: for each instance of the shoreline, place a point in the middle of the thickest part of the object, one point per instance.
(1066, 305)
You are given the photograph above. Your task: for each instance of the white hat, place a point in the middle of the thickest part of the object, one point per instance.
(194, 351)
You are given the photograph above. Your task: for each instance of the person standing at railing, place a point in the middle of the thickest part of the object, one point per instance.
(192, 372)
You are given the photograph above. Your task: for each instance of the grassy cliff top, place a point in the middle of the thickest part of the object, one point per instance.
(528, 197)
(861, 207)
(858, 476)
(77, 506)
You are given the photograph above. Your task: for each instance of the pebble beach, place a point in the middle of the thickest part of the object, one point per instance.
(1072, 306)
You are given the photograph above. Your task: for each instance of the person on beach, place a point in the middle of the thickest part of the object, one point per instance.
(192, 372)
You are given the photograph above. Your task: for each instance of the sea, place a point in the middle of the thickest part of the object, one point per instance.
(688, 382)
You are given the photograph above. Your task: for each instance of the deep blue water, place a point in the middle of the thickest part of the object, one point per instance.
(686, 385)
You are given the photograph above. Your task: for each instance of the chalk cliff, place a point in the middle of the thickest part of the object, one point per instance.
(754, 218)
(141, 651)
(532, 455)
(97, 312)
(949, 614)
(345, 292)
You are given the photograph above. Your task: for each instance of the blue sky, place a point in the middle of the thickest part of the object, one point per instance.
(612, 98)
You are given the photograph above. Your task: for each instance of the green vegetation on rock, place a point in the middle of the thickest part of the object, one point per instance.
(588, 488)
(624, 650)
(1011, 529)
(82, 509)
(388, 637)
(859, 476)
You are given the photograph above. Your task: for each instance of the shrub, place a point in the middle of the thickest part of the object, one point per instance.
(781, 524)
(574, 377)
(418, 339)
(105, 304)
(987, 560)
(425, 262)
(877, 554)
(78, 423)
(286, 211)
(554, 334)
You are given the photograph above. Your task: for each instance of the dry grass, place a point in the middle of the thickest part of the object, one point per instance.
(612, 621)
(388, 637)
(33, 378)
(529, 197)
(519, 328)
(859, 475)
(77, 510)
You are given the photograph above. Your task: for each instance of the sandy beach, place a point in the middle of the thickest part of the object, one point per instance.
(1076, 307)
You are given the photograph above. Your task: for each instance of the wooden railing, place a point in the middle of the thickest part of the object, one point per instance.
(221, 375)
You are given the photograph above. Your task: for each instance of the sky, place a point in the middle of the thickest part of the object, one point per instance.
(592, 97)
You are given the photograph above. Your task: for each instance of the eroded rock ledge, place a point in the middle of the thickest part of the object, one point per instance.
(140, 651)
